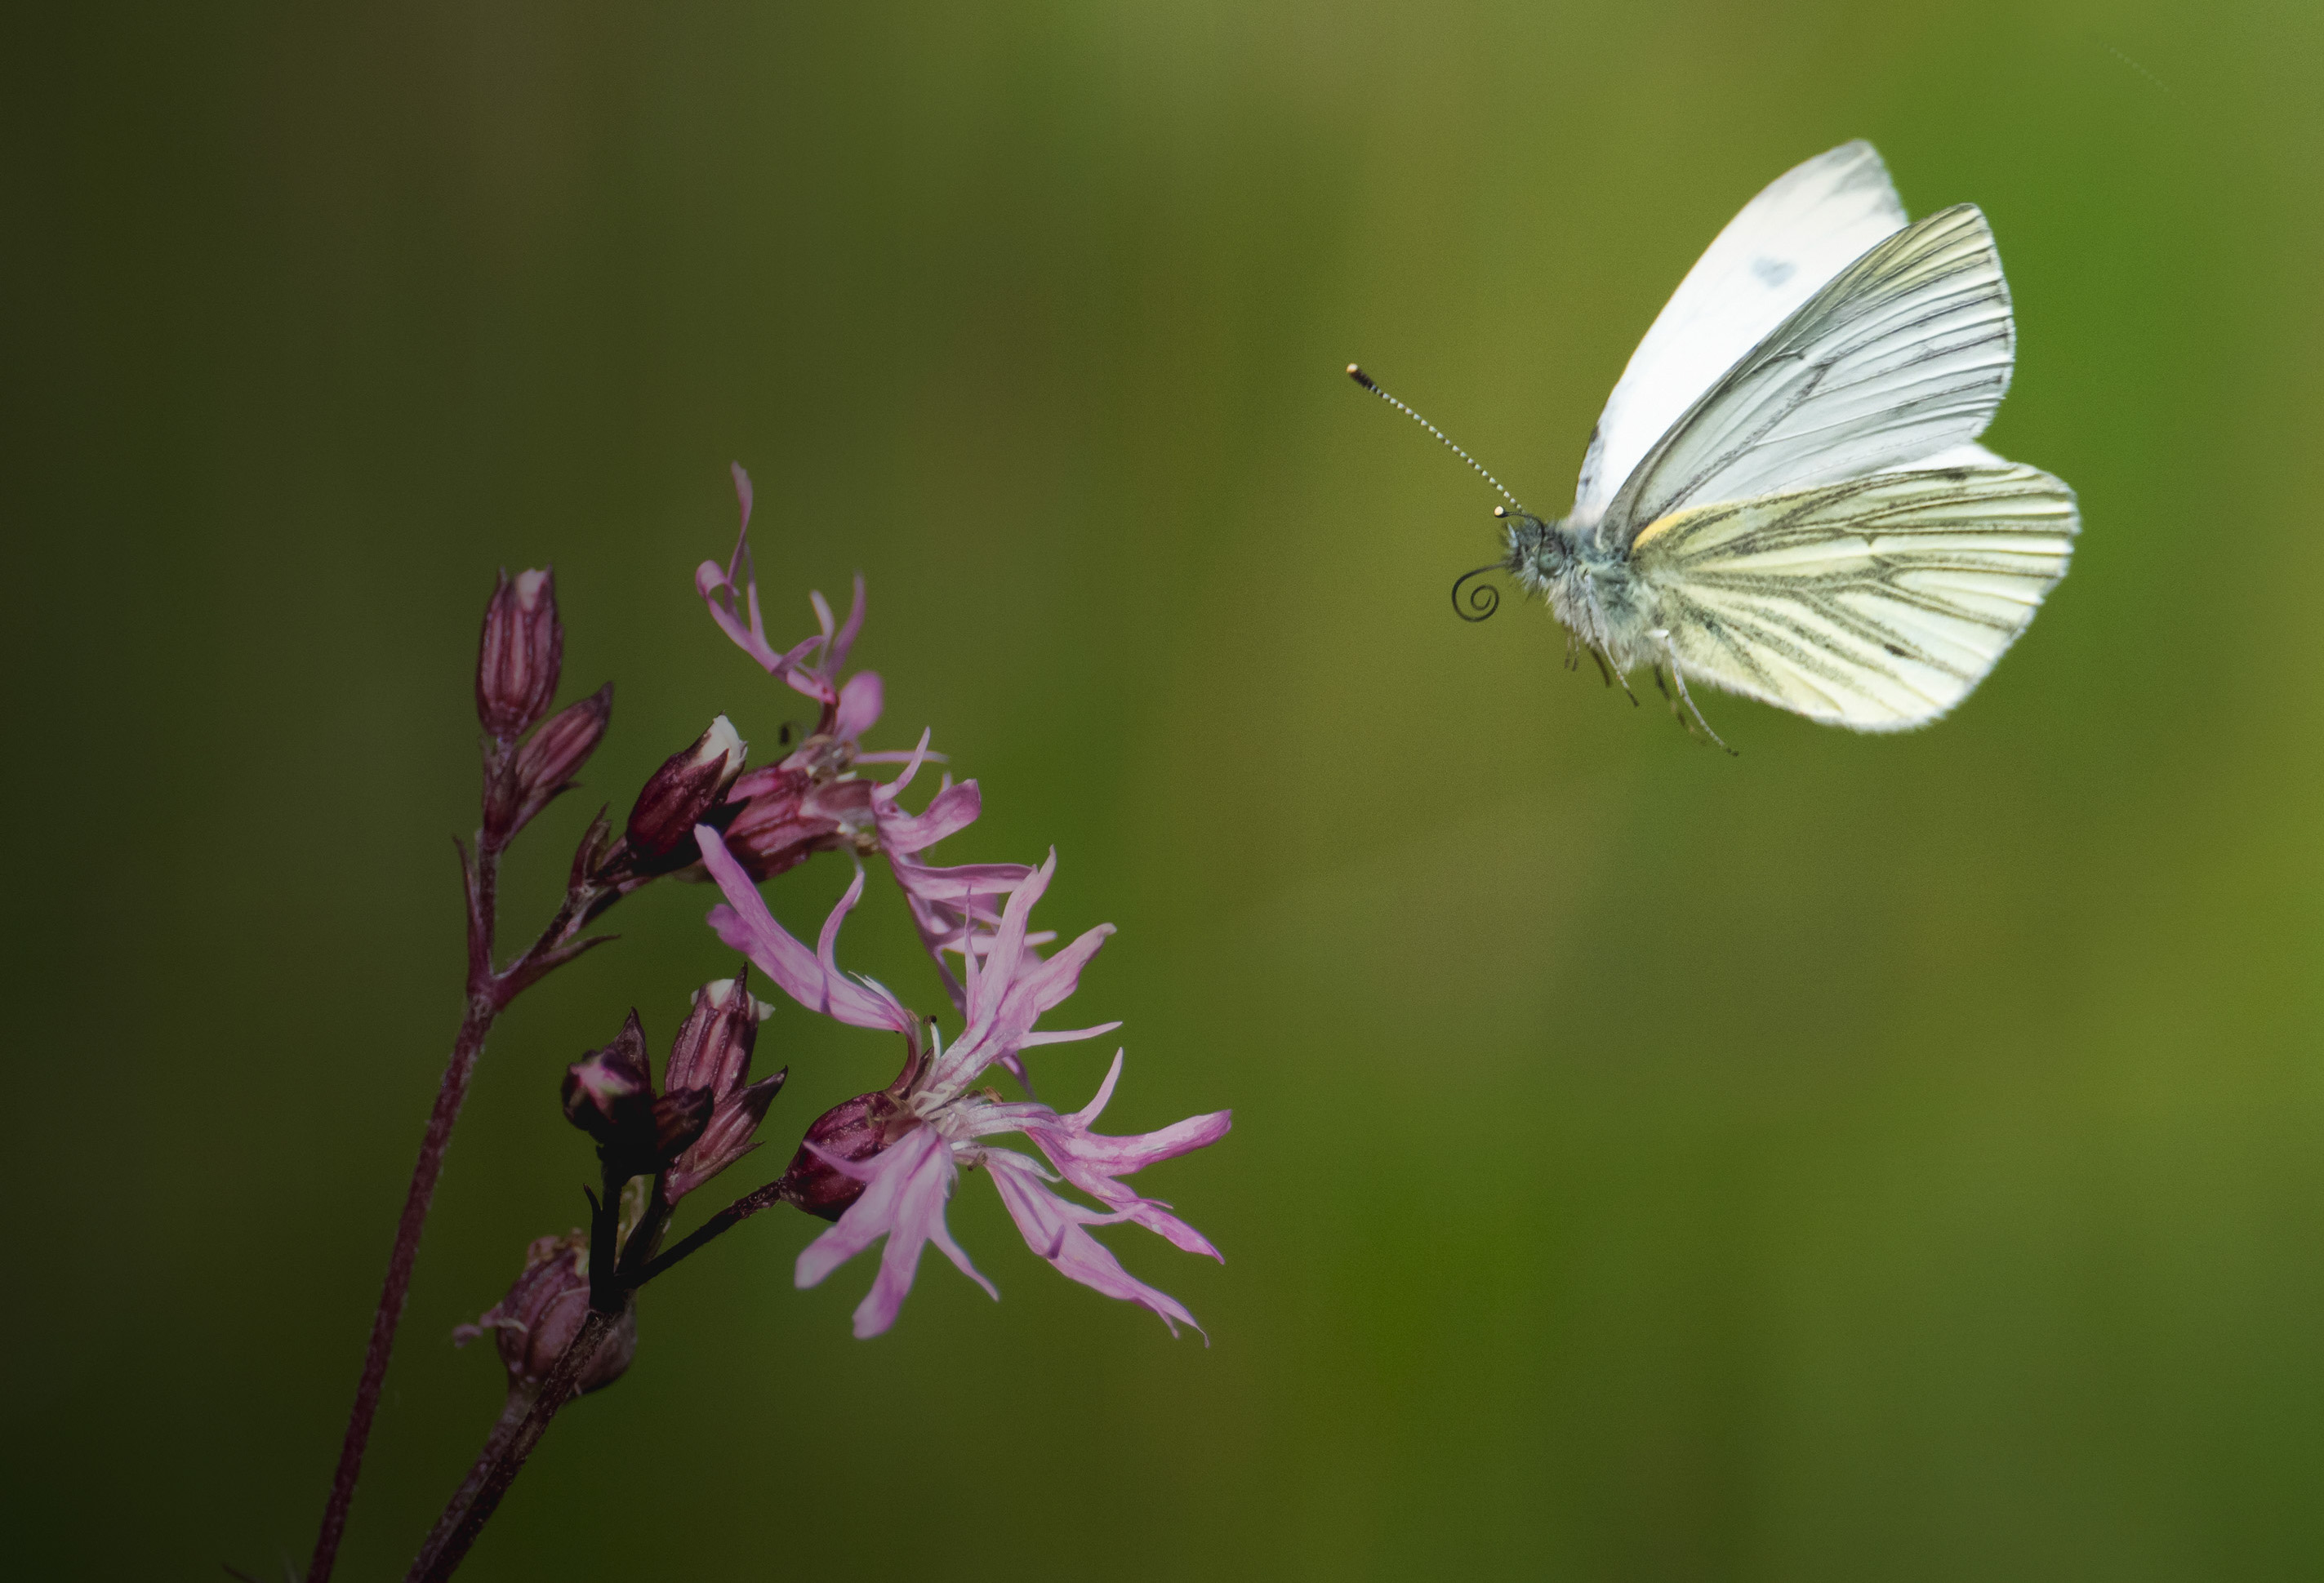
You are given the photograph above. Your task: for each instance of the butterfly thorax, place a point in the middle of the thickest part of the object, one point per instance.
(1592, 588)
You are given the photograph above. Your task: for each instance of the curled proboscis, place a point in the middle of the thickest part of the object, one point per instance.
(1480, 602)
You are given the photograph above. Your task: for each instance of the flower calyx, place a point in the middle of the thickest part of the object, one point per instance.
(534, 1323)
(712, 1055)
(522, 651)
(828, 1175)
(609, 1094)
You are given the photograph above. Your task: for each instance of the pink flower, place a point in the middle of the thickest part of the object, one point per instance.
(902, 1150)
(947, 903)
(811, 666)
(811, 801)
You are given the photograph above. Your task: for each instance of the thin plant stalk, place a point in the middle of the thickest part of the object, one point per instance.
(520, 1403)
(499, 1469)
(489, 994)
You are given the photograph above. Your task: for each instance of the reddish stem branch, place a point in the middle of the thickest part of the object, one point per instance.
(489, 994)
(560, 1387)
(717, 1225)
(519, 1405)
(485, 1003)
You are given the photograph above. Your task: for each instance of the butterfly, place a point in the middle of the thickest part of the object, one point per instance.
(1783, 497)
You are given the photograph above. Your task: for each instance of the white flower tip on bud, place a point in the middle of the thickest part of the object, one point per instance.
(675, 800)
(722, 739)
(519, 655)
(720, 994)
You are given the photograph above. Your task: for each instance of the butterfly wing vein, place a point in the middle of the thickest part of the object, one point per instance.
(1903, 354)
(1802, 229)
(1876, 604)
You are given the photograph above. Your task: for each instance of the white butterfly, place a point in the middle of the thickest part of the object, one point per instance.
(1782, 498)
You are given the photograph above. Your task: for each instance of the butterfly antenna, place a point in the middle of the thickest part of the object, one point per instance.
(1365, 380)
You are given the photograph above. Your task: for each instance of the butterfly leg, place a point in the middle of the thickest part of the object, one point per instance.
(1661, 635)
(1606, 666)
(1602, 653)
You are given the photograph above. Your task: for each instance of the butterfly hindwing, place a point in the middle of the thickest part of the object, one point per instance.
(1876, 604)
(1806, 227)
(1905, 353)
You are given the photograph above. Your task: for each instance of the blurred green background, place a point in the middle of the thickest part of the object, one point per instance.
(1865, 1158)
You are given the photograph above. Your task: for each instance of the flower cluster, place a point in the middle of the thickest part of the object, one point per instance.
(884, 1164)
(880, 1165)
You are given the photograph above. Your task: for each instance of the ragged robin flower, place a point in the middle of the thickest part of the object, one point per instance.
(885, 1164)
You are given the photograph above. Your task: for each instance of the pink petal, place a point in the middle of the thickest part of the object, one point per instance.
(1008, 945)
(1121, 1156)
(813, 980)
(853, 1170)
(1081, 1118)
(1044, 985)
(886, 795)
(846, 638)
(905, 1202)
(1064, 1035)
(743, 493)
(709, 578)
(948, 813)
(859, 705)
(874, 1213)
(964, 882)
(1051, 1229)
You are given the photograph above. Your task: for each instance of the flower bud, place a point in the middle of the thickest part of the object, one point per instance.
(519, 784)
(523, 650)
(678, 794)
(713, 1054)
(543, 1310)
(609, 1094)
(679, 1119)
(726, 1138)
(713, 1050)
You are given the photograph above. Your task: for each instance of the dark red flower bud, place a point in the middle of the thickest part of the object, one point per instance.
(713, 1050)
(523, 650)
(679, 1117)
(687, 786)
(713, 1053)
(609, 1093)
(539, 1318)
(518, 784)
(727, 1138)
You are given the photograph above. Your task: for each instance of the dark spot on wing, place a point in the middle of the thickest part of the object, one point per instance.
(1772, 272)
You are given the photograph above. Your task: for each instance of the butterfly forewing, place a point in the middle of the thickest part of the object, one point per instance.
(1876, 604)
(1809, 223)
(1905, 353)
